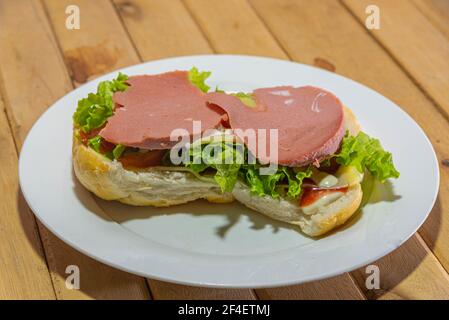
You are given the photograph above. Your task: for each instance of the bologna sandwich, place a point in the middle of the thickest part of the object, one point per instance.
(295, 154)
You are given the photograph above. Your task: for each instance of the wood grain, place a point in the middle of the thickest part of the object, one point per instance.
(423, 50)
(337, 288)
(30, 64)
(167, 291)
(234, 28)
(30, 57)
(24, 273)
(100, 46)
(437, 226)
(437, 11)
(344, 44)
(401, 278)
(161, 29)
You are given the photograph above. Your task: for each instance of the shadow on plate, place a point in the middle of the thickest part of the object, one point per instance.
(231, 211)
(120, 213)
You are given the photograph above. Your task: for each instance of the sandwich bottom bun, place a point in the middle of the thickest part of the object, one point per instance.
(154, 186)
(162, 187)
(326, 218)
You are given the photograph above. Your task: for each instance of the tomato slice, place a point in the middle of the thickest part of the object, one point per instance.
(142, 160)
(312, 194)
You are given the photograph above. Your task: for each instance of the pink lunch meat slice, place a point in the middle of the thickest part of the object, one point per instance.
(153, 106)
(309, 121)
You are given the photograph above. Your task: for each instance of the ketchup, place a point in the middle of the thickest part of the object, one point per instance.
(312, 194)
(135, 159)
(105, 146)
(85, 136)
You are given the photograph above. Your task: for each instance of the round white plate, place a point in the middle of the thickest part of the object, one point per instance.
(228, 245)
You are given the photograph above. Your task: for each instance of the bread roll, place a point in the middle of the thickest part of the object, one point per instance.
(166, 186)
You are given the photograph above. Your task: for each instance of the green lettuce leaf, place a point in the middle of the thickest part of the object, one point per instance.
(295, 180)
(226, 176)
(198, 79)
(226, 158)
(246, 98)
(217, 89)
(360, 151)
(95, 143)
(92, 112)
(230, 162)
(270, 182)
(364, 152)
(254, 182)
(118, 151)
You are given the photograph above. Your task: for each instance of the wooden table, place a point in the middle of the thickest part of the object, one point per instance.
(407, 60)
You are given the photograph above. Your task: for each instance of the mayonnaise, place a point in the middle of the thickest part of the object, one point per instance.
(321, 202)
(324, 179)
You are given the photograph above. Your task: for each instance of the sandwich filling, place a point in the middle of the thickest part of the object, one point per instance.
(131, 120)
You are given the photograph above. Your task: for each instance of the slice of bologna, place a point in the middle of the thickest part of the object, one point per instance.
(153, 106)
(309, 123)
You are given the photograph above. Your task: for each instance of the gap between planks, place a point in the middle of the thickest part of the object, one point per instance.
(401, 65)
(437, 106)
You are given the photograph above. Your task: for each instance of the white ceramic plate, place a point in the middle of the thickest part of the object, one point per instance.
(229, 245)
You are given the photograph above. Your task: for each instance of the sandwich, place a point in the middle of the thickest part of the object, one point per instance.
(294, 154)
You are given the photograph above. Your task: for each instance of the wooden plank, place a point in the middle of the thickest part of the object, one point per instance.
(100, 46)
(30, 63)
(165, 291)
(36, 74)
(423, 50)
(233, 27)
(91, 51)
(346, 46)
(407, 278)
(239, 13)
(24, 272)
(338, 288)
(144, 21)
(97, 280)
(161, 29)
(437, 11)
(437, 129)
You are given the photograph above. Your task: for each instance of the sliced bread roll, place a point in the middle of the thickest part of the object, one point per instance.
(164, 186)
